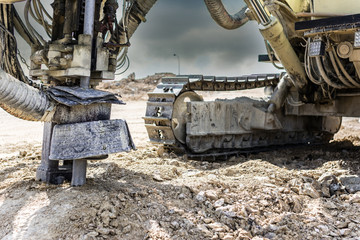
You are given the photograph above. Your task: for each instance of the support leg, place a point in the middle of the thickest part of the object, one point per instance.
(79, 172)
(49, 171)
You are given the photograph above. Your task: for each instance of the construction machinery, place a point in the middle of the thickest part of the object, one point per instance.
(315, 42)
(74, 46)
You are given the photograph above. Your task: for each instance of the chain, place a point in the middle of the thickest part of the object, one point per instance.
(23, 59)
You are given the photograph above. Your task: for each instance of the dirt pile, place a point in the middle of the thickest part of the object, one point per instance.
(131, 88)
(141, 195)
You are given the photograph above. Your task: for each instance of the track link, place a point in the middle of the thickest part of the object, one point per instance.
(160, 108)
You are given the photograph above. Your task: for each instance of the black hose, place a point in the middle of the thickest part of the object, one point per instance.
(223, 18)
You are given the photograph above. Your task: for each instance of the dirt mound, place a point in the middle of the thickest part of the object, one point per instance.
(141, 195)
(131, 88)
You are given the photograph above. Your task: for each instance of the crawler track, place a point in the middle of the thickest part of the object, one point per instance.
(160, 125)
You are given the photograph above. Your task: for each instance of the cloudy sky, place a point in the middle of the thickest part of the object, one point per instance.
(186, 28)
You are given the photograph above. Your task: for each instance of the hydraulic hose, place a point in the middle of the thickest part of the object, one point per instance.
(223, 18)
(23, 101)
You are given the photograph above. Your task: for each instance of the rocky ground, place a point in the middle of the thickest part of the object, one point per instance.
(304, 192)
(131, 88)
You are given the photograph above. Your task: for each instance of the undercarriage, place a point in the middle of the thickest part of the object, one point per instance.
(177, 117)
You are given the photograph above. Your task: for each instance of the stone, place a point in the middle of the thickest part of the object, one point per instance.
(228, 237)
(309, 190)
(114, 223)
(200, 197)
(157, 178)
(273, 228)
(351, 182)
(126, 229)
(355, 198)
(91, 236)
(243, 234)
(295, 185)
(345, 231)
(330, 205)
(103, 231)
(323, 228)
(208, 220)
(211, 194)
(22, 153)
(328, 183)
(219, 203)
(105, 217)
(342, 224)
(270, 235)
(229, 214)
(182, 196)
(175, 224)
(217, 227)
(204, 230)
(174, 163)
(297, 204)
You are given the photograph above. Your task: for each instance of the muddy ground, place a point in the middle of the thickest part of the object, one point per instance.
(147, 194)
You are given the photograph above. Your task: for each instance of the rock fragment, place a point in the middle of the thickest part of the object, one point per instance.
(200, 197)
(355, 198)
(309, 190)
(219, 203)
(157, 178)
(329, 184)
(351, 182)
(211, 194)
(127, 229)
(103, 231)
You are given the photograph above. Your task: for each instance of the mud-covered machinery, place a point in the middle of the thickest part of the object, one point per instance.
(74, 44)
(315, 42)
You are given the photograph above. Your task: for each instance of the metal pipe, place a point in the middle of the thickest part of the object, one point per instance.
(307, 14)
(274, 34)
(89, 30)
(260, 12)
(79, 166)
(79, 172)
(279, 96)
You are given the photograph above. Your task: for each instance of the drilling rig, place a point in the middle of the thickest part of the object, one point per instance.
(315, 42)
(81, 44)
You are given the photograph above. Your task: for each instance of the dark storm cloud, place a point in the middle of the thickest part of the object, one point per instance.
(185, 27)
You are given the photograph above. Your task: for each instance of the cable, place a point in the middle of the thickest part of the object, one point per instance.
(31, 30)
(307, 65)
(342, 79)
(270, 56)
(343, 70)
(319, 63)
(128, 61)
